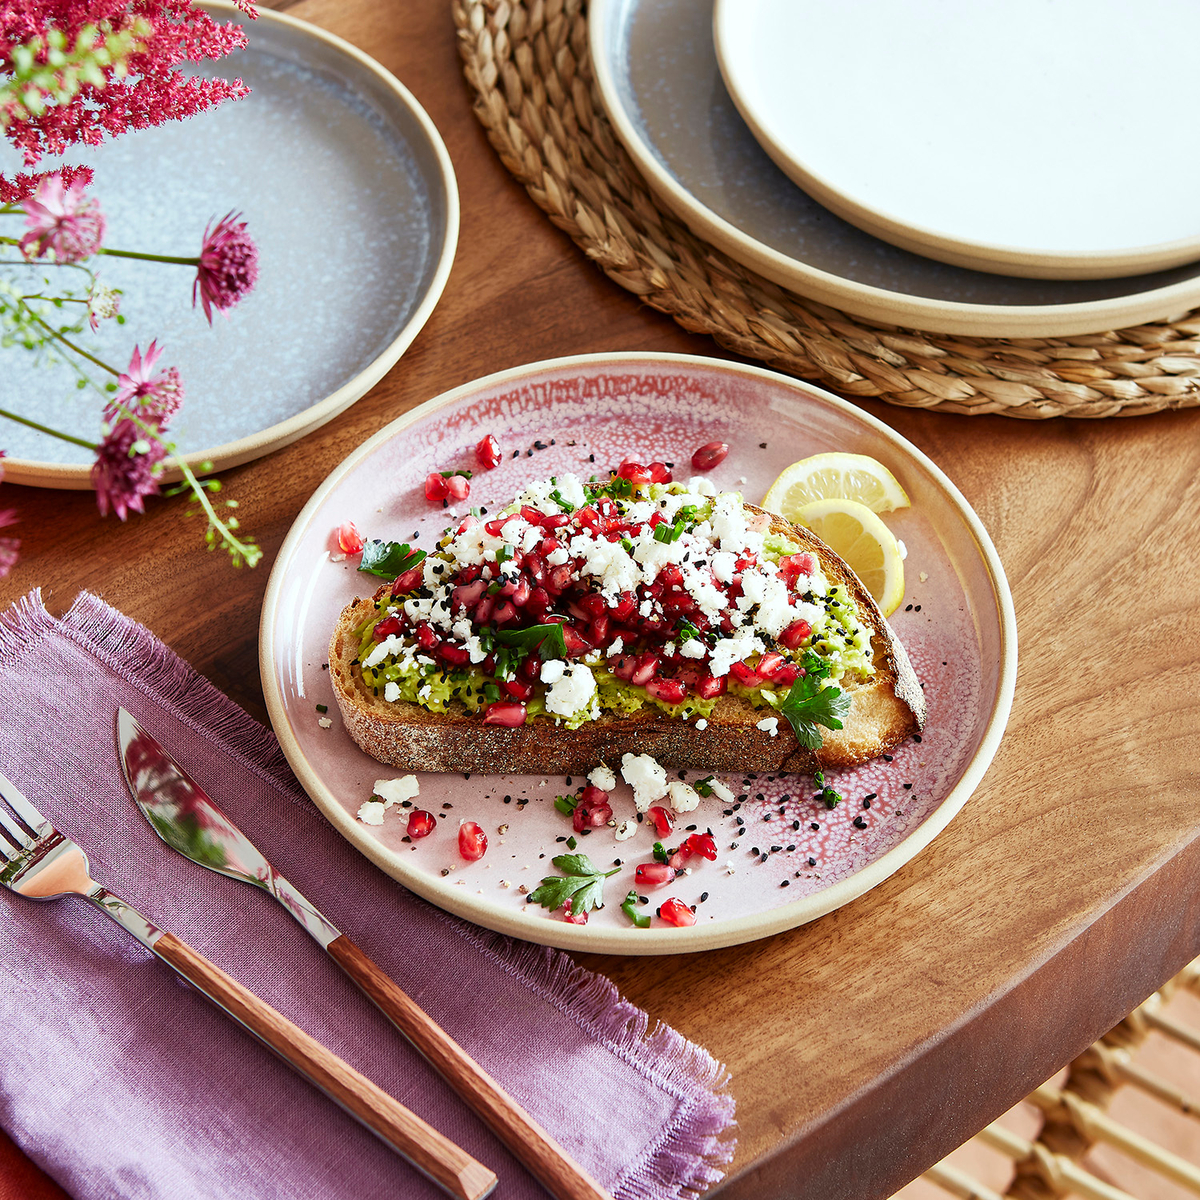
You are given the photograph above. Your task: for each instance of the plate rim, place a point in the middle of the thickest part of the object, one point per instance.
(77, 476)
(866, 300)
(993, 257)
(734, 931)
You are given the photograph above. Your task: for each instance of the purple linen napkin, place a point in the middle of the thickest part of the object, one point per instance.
(118, 1080)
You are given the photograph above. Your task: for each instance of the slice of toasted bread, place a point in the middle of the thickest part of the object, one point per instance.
(884, 711)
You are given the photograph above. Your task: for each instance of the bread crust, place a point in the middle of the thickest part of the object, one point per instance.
(884, 711)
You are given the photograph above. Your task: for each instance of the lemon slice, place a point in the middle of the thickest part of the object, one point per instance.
(858, 536)
(835, 476)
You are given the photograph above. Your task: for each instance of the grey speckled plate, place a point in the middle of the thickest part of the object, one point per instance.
(657, 71)
(350, 194)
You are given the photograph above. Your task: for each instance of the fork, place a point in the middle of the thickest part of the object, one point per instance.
(43, 864)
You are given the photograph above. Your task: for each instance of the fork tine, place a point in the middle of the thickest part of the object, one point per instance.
(8, 850)
(30, 815)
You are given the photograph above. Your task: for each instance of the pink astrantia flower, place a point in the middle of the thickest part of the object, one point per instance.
(228, 265)
(155, 399)
(127, 469)
(62, 220)
(103, 303)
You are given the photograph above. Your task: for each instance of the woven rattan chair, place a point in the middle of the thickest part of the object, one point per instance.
(1117, 1124)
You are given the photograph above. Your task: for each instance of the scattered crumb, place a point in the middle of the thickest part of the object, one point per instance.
(626, 830)
(370, 812)
(325, 722)
(923, 576)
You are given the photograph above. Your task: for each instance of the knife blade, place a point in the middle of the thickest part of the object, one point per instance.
(187, 820)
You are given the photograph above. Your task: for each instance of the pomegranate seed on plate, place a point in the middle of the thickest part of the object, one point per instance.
(472, 841)
(436, 487)
(458, 486)
(571, 918)
(653, 875)
(592, 811)
(702, 844)
(487, 452)
(349, 539)
(659, 472)
(635, 472)
(508, 713)
(421, 823)
(709, 455)
(675, 912)
(663, 818)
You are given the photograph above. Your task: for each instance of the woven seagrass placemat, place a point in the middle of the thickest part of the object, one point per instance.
(528, 64)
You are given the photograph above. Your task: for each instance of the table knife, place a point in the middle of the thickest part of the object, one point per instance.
(183, 815)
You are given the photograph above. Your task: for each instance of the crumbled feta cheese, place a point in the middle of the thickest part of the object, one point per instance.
(683, 796)
(626, 830)
(395, 790)
(693, 648)
(646, 777)
(572, 692)
(769, 725)
(553, 669)
(722, 793)
(391, 691)
(603, 777)
(370, 812)
(617, 646)
(701, 724)
(325, 722)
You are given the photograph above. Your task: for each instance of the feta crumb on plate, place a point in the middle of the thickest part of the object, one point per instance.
(646, 777)
(683, 796)
(370, 812)
(603, 777)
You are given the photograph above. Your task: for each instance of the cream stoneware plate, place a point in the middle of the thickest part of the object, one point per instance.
(783, 858)
(657, 74)
(986, 145)
(348, 190)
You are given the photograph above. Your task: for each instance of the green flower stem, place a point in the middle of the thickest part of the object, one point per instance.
(71, 345)
(250, 553)
(65, 437)
(167, 258)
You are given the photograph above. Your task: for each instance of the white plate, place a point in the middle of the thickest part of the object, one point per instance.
(348, 190)
(958, 626)
(995, 143)
(657, 73)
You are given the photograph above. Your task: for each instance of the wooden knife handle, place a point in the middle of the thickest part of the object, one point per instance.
(450, 1167)
(553, 1167)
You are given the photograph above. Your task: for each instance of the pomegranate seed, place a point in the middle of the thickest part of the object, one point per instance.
(349, 539)
(518, 689)
(426, 638)
(624, 606)
(468, 522)
(536, 567)
(659, 473)
(656, 519)
(458, 486)
(710, 687)
(556, 521)
(436, 487)
(470, 573)
(487, 452)
(634, 472)
(492, 528)
(504, 614)
(645, 670)
(532, 516)
(548, 545)
(670, 576)
(539, 602)
(488, 665)
(472, 841)
(576, 643)
(386, 628)
(653, 875)
(598, 631)
(588, 517)
(709, 455)
(701, 844)
(531, 668)
(421, 823)
(483, 611)
(786, 676)
(769, 664)
(795, 634)
(521, 592)
(456, 656)
(624, 667)
(571, 918)
(407, 580)
(467, 595)
(509, 713)
(669, 691)
(559, 578)
(675, 912)
(592, 811)
(663, 818)
(592, 604)
(746, 675)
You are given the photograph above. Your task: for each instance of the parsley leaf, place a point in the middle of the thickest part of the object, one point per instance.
(809, 704)
(581, 882)
(388, 559)
(547, 640)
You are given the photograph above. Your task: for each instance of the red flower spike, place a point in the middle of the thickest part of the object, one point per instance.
(675, 912)
(421, 823)
(472, 841)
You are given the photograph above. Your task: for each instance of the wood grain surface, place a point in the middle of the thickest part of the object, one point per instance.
(865, 1046)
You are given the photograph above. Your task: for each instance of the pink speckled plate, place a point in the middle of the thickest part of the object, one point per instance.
(783, 859)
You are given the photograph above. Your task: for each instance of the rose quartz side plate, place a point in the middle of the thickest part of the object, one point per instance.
(783, 858)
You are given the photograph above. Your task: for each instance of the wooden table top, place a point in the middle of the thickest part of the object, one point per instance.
(868, 1044)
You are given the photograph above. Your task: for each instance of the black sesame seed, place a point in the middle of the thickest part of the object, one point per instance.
(888, 758)
(784, 882)
(859, 823)
(703, 897)
(814, 827)
(812, 862)
(784, 798)
(866, 802)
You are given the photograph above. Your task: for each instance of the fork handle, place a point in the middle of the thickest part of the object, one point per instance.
(536, 1150)
(450, 1167)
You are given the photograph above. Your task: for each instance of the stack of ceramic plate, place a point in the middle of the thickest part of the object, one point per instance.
(966, 169)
